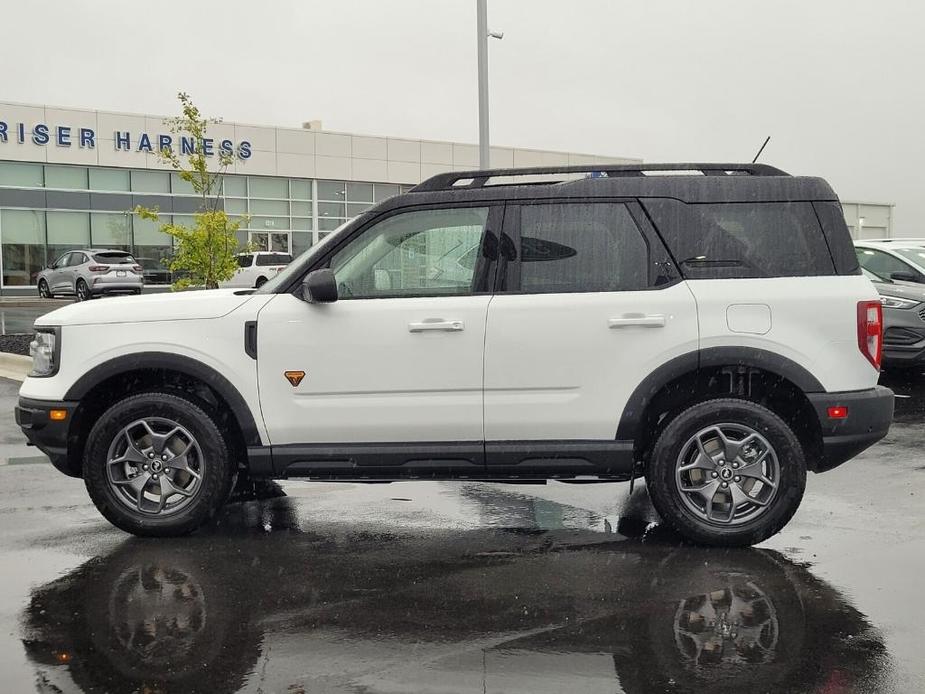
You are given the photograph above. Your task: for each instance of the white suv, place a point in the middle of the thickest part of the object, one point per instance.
(709, 331)
(254, 269)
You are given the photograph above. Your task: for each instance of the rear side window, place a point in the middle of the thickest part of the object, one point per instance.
(581, 247)
(113, 258)
(245, 260)
(739, 240)
(838, 237)
(265, 259)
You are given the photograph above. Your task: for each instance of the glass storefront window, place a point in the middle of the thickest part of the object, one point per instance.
(331, 209)
(357, 208)
(266, 187)
(329, 224)
(269, 223)
(384, 191)
(147, 232)
(110, 230)
(331, 190)
(184, 220)
(269, 207)
(66, 231)
(153, 261)
(360, 192)
(300, 189)
(150, 182)
(14, 173)
(233, 206)
(67, 177)
(109, 179)
(23, 234)
(180, 187)
(235, 186)
(301, 242)
(301, 209)
(302, 223)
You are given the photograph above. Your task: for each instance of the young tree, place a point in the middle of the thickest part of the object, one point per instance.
(205, 252)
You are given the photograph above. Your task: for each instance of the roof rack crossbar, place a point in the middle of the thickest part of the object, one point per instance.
(480, 178)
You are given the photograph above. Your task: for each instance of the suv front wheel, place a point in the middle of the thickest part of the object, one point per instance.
(727, 472)
(156, 464)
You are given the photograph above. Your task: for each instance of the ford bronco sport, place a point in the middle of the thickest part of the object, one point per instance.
(709, 330)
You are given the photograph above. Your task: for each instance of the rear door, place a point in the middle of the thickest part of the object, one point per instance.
(57, 279)
(589, 305)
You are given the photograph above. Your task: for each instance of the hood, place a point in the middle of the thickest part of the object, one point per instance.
(905, 290)
(188, 305)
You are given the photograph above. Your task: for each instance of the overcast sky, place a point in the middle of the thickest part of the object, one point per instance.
(838, 84)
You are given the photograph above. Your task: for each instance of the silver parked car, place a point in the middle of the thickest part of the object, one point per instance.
(90, 273)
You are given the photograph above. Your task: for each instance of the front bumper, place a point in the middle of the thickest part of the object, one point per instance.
(49, 436)
(870, 413)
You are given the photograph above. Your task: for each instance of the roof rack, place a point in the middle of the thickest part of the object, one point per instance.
(480, 178)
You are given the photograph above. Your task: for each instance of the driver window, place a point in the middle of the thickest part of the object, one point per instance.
(421, 253)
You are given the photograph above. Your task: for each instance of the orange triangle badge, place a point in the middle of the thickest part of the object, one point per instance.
(294, 377)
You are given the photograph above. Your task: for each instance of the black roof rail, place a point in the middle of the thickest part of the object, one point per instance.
(479, 178)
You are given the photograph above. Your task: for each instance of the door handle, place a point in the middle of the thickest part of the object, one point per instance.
(629, 320)
(450, 326)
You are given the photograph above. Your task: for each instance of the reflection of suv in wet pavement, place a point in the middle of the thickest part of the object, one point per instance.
(523, 610)
(711, 331)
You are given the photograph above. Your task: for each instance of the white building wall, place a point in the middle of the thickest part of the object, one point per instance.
(869, 220)
(292, 152)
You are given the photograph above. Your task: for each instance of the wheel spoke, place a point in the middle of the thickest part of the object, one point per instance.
(132, 453)
(168, 488)
(137, 484)
(181, 462)
(702, 461)
(709, 493)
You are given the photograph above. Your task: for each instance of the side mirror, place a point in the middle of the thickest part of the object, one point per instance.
(903, 277)
(319, 287)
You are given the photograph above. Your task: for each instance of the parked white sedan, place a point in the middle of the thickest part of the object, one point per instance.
(256, 268)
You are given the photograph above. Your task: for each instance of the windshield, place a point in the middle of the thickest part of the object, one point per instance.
(874, 277)
(914, 255)
(297, 266)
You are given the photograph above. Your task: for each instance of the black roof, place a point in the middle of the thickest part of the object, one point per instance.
(688, 182)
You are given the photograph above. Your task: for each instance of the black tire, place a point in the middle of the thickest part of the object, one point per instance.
(82, 291)
(44, 291)
(217, 467)
(668, 498)
(260, 282)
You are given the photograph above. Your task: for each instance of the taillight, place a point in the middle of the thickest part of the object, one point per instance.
(137, 268)
(98, 268)
(870, 331)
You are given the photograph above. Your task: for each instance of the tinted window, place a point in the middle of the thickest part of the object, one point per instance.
(113, 257)
(71, 259)
(715, 241)
(411, 254)
(838, 237)
(581, 247)
(245, 260)
(884, 264)
(274, 259)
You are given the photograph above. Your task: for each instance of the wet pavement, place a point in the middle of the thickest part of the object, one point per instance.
(466, 587)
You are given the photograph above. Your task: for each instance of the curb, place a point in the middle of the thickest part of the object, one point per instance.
(15, 366)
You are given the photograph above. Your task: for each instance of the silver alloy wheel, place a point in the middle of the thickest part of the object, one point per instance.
(82, 291)
(727, 474)
(155, 466)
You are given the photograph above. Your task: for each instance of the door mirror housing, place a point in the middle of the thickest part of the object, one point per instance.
(903, 277)
(319, 287)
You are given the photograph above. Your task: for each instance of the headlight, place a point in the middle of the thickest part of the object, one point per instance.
(45, 350)
(897, 302)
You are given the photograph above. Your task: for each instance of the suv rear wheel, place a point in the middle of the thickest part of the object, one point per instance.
(727, 472)
(156, 464)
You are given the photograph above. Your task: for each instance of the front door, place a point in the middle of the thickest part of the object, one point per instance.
(588, 307)
(61, 279)
(396, 360)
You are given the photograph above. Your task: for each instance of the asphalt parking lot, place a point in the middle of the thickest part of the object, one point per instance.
(466, 587)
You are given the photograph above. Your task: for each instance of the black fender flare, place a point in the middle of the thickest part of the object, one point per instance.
(632, 418)
(172, 362)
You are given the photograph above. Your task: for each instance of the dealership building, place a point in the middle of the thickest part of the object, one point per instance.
(70, 178)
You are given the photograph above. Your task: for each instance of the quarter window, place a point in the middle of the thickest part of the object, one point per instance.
(412, 254)
(581, 247)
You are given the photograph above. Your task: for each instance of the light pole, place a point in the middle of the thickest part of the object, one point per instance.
(483, 34)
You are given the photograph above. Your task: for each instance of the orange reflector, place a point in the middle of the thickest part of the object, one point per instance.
(838, 412)
(57, 415)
